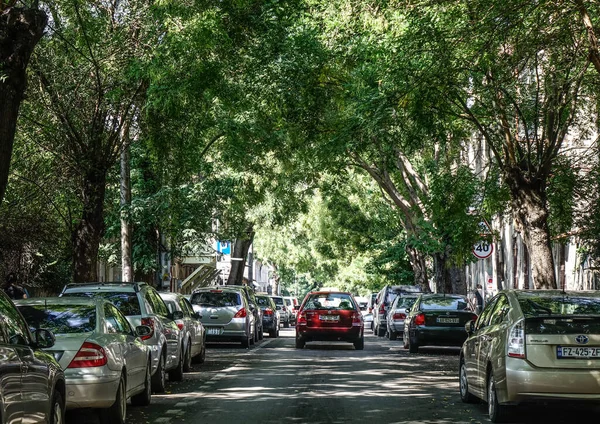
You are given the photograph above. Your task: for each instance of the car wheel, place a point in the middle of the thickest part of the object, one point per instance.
(498, 413)
(300, 343)
(159, 378)
(177, 373)
(246, 342)
(286, 324)
(261, 333)
(273, 333)
(57, 414)
(392, 335)
(187, 364)
(380, 331)
(117, 412)
(404, 340)
(144, 398)
(413, 347)
(360, 343)
(465, 395)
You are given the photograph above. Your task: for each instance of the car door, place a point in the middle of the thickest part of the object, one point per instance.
(11, 369)
(194, 325)
(473, 348)
(169, 328)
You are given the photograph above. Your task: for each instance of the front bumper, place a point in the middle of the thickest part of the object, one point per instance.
(95, 389)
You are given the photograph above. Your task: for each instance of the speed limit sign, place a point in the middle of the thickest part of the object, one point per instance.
(483, 249)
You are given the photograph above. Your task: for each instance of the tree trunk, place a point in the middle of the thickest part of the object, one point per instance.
(90, 229)
(126, 267)
(20, 31)
(240, 249)
(530, 212)
(419, 266)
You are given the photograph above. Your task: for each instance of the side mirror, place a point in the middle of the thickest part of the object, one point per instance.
(197, 315)
(252, 307)
(44, 338)
(143, 330)
(177, 315)
(470, 327)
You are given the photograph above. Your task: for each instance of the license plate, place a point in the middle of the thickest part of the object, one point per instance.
(564, 352)
(213, 331)
(329, 317)
(447, 320)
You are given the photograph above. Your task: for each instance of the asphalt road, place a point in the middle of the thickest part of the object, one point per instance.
(273, 382)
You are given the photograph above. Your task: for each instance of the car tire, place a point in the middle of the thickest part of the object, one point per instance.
(392, 335)
(144, 398)
(118, 411)
(360, 343)
(57, 413)
(465, 395)
(176, 374)
(404, 341)
(300, 343)
(413, 347)
(261, 333)
(159, 378)
(497, 413)
(187, 363)
(273, 334)
(246, 342)
(286, 324)
(380, 332)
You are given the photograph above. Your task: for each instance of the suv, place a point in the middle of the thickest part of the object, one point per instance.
(284, 312)
(382, 303)
(142, 305)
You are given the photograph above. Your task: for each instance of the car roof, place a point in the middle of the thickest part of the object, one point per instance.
(330, 292)
(521, 293)
(106, 286)
(61, 301)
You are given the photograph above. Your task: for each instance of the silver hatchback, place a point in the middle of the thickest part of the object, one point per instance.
(225, 314)
(541, 345)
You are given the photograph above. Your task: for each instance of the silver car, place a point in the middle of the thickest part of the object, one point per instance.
(226, 314)
(284, 312)
(541, 345)
(104, 359)
(142, 305)
(194, 335)
(397, 314)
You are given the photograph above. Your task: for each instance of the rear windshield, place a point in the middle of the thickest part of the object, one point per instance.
(444, 303)
(263, 301)
(127, 302)
(278, 300)
(330, 301)
(171, 305)
(405, 302)
(216, 298)
(534, 305)
(60, 319)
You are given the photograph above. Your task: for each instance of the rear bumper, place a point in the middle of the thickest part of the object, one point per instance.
(347, 334)
(94, 390)
(233, 331)
(269, 324)
(525, 382)
(439, 336)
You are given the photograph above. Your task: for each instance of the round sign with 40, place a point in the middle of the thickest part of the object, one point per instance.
(483, 249)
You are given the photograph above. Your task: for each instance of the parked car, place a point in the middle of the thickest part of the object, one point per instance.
(382, 303)
(437, 320)
(397, 314)
(541, 345)
(104, 359)
(142, 305)
(26, 368)
(330, 316)
(256, 311)
(289, 304)
(284, 312)
(270, 314)
(225, 314)
(194, 335)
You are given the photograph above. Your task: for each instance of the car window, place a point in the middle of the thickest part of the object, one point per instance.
(444, 303)
(542, 305)
(15, 326)
(500, 310)
(483, 319)
(263, 301)
(114, 323)
(405, 302)
(216, 298)
(156, 302)
(278, 300)
(127, 302)
(60, 319)
(330, 301)
(185, 306)
(171, 305)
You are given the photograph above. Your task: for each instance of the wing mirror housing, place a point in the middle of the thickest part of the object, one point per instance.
(43, 338)
(143, 330)
(177, 315)
(470, 327)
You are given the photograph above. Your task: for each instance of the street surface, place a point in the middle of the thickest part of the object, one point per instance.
(273, 382)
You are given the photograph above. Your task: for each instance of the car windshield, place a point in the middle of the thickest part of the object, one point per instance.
(216, 298)
(330, 301)
(444, 303)
(536, 305)
(60, 319)
(127, 302)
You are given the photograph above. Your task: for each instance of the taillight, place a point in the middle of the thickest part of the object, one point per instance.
(357, 320)
(89, 355)
(419, 319)
(382, 309)
(268, 312)
(180, 324)
(150, 323)
(399, 315)
(283, 308)
(301, 320)
(516, 341)
(241, 313)
(474, 317)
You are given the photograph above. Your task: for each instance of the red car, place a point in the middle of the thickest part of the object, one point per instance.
(330, 316)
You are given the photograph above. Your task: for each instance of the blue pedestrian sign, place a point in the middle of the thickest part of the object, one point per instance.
(224, 247)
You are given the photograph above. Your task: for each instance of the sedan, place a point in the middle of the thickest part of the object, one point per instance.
(330, 316)
(437, 320)
(32, 384)
(194, 335)
(541, 345)
(397, 314)
(270, 314)
(104, 359)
